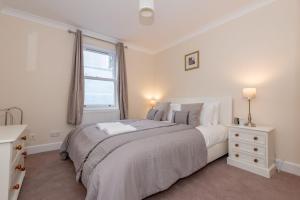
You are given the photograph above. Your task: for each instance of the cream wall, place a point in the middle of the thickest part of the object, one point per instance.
(140, 82)
(261, 49)
(35, 71)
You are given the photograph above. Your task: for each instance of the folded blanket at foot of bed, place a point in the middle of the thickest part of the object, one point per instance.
(114, 128)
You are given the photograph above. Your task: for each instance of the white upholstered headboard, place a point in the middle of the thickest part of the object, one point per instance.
(225, 105)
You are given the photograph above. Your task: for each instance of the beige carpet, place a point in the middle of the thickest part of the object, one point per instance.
(49, 178)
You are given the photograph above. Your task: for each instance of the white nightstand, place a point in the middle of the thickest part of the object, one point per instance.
(252, 149)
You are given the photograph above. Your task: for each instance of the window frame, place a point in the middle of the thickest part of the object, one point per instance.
(111, 53)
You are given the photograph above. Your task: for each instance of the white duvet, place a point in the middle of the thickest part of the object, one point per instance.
(213, 134)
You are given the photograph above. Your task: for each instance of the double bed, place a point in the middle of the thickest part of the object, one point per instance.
(137, 164)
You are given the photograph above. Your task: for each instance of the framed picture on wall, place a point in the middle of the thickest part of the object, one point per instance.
(192, 61)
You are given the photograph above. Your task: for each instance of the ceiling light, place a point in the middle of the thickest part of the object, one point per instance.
(147, 8)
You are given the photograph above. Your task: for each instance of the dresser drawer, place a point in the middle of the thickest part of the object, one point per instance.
(255, 137)
(18, 146)
(244, 157)
(17, 149)
(255, 149)
(17, 167)
(17, 173)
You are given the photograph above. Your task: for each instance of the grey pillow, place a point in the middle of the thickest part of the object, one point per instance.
(180, 117)
(165, 107)
(194, 113)
(158, 115)
(154, 114)
(151, 114)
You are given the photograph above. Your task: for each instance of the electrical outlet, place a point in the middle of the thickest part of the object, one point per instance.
(55, 133)
(32, 137)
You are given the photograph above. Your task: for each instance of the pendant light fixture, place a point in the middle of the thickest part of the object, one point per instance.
(146, 8)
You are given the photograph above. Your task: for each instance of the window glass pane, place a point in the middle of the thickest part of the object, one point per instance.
(98, 64)
(99, 92)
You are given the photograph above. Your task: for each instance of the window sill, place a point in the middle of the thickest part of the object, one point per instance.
(100, 110)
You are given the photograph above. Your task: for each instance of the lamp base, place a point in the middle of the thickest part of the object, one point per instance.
(250, 124)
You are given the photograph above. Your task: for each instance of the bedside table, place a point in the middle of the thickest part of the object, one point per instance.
(252, 149)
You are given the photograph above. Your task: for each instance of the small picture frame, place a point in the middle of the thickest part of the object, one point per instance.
(192, 61)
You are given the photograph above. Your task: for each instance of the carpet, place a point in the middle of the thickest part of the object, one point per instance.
(49, 178)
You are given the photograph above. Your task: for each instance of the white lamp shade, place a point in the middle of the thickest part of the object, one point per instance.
(152, 102)
(249, 93)
(147, 8)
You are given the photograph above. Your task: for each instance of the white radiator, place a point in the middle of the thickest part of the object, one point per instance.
(95, 116)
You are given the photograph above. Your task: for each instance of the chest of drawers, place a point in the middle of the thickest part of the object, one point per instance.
(252, 149)
(12, 153)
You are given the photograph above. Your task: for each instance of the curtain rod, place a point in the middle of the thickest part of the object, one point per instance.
(113, 43)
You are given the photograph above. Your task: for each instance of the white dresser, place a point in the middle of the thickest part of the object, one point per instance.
(252, 149)
(12, 153)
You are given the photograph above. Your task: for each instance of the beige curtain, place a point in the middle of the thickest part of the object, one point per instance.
(76, 95)
(122, 82)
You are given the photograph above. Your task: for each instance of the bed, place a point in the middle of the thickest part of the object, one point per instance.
(140, 163)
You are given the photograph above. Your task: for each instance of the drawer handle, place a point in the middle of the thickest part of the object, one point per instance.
(237, 155)
(24, 138)
(255, 149)
(19, 147)
(255, 160)
(20, 168)
(255, 138)
(236, 135)
(16, 187)
(236, 145)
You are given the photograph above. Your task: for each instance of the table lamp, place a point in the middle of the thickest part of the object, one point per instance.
(249, 93)
(152, 102)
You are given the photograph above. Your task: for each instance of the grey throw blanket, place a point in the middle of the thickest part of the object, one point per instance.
(132, 166)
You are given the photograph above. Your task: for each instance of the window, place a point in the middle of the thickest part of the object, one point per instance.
(99, 78)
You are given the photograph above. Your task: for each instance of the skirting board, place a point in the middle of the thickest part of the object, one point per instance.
(288, 167)
(43, 148)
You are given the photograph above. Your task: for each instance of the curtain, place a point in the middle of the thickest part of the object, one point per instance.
(122, 82)
(76, 95)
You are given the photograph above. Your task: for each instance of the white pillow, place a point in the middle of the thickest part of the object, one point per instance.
(210, 114)
(173, 107)
(216, 113)
(207, 114)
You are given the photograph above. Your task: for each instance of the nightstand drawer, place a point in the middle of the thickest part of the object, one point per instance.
(250, 159)
(247, 136)
(254, 149)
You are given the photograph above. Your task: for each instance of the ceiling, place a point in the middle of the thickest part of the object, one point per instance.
(174, 19)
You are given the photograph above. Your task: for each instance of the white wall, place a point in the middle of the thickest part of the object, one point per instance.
(35, 72)
(261, 49)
